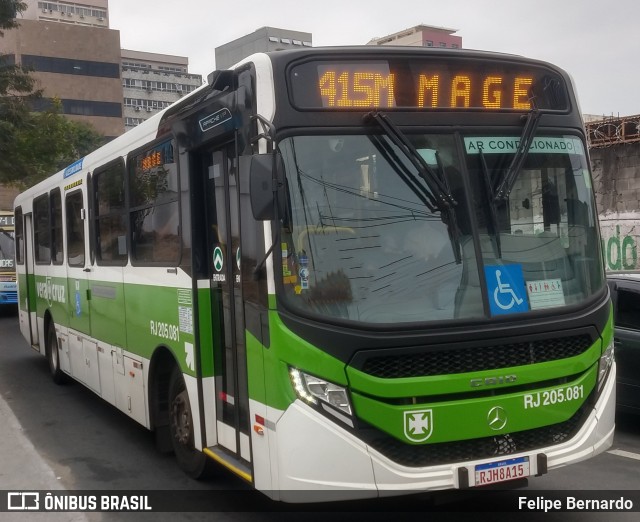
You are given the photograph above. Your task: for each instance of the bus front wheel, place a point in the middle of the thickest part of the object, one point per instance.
(192, 461)
(53, 356)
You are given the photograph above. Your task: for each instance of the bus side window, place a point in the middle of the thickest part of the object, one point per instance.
(75, 229)
(154, 212)
(57, 254)
(41, 230)
(110, 215)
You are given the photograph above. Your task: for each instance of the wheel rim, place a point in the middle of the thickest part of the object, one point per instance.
(181, 418)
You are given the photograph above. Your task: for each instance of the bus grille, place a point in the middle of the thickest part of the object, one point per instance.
(450, 361)
(9, 298)
(474, 449)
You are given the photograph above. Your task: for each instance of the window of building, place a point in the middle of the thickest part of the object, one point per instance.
(69, 66)
(454, 46)
(133, 122)
(443, 45)
(110, 224)
(136, 65)
(149, 86)
(92, 108)
(57, 254)
(172, 69)
(41, 230)
(428, 43)
(75, 229)
(154, 213)
(48, 6)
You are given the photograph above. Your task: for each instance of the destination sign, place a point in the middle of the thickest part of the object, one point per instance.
(7, 221)
(150, 159)
(153, 174)
(419, 83)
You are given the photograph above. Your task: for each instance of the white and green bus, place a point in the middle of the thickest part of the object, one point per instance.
(340, 273)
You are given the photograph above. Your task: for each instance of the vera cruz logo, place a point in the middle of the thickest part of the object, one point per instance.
(418, 425)
(51, 292)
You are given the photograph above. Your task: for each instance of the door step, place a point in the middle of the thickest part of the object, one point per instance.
(239, 467)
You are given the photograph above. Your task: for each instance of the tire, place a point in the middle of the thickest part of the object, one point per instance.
(192, 461)
(53, 356)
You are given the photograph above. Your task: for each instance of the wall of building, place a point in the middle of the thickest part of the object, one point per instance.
(7, 195)
(83, 70)
(92, 13)
(616, 172)
(262, 40)
(441, 39)
(151, 82)
(422, 36)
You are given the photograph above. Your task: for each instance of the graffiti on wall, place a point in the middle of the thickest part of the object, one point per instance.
(619, 246)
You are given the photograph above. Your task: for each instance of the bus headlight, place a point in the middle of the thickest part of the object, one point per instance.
(606, 360)
(331, 397)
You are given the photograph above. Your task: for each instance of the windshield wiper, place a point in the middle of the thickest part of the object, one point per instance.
(505, 185)
(440, 195)
(437, 184)
(403, 172)
(493, 212)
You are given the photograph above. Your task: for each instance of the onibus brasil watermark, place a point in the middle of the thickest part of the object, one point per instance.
(64, 501)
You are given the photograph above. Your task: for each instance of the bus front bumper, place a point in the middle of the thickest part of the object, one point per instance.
(318, 461)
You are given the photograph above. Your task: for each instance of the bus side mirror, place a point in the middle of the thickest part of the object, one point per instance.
(266, 183)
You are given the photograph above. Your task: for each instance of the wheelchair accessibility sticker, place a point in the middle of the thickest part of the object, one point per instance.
(507, 291)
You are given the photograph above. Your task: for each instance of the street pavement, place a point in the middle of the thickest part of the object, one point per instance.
(22, 468)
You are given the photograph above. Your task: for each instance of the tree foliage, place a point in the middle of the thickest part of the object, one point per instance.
(46, 144)
(33, 145)
(9, 10)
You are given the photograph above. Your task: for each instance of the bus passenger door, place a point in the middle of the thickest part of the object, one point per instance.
(223, 249)
(30, 284)
(78, 266)
(77, 261)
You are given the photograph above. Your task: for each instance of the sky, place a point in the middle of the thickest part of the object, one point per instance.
(596, 41)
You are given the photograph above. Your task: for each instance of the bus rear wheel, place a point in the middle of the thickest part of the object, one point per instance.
(53, 356)
(192, 461)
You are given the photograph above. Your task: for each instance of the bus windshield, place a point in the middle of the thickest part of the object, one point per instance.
(364, 239)
(7, 250)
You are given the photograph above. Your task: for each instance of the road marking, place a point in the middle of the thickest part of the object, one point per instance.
(627, 454)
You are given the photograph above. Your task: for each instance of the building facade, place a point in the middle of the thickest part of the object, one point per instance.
(422, 36)
(75, 57)
(91, 13)
(7, 195)
(151, 82)
(262, 40)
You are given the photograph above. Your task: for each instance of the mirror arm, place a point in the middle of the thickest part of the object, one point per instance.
(269, 130)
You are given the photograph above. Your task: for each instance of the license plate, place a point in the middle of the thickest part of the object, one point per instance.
(501, 471)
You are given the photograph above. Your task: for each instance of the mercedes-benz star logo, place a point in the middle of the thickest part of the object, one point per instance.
(497, 418)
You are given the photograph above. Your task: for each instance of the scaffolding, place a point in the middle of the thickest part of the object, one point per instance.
(613, 131)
